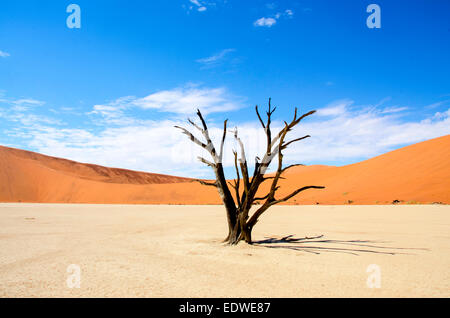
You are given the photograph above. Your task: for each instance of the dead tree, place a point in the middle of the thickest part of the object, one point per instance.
(240, 222)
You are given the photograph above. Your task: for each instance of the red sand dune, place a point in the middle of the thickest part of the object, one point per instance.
(419, 173)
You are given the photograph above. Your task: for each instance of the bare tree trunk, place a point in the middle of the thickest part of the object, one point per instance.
(235, 235)
(227, 199)
(242, 231)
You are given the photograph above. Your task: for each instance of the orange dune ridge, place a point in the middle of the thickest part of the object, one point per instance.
(419, 173)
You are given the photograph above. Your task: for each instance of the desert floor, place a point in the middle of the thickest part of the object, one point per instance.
(176, 251)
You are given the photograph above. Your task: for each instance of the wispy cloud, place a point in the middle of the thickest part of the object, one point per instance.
(20, 101)
(4, 54)
(216, 59)
(22, 104)
(335, 108)
(390, 110)
(28, 102)
(24, 112)
(437, 104)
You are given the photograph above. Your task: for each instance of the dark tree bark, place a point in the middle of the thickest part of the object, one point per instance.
(240, 223)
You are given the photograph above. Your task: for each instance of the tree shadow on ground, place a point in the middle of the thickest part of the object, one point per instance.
(327, 245)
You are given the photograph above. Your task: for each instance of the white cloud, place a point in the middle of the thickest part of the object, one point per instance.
(179, 101)
(349, 135)
(265, 22)
(200, 5)
(4, 54)
(341, 131)
(442, 115)
(113, 113)
(147, 147)
(270, 21)
(186, 100)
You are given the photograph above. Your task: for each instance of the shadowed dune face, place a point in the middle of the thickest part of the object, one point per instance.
(31, 177)
(418, 173)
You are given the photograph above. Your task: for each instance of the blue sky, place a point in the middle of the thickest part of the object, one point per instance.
(111, 91)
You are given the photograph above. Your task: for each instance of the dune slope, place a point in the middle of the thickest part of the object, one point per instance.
(419, 173)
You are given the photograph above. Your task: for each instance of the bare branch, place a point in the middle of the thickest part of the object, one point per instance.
(295, 140)
(262, 198)
(268, 131)
(291, 166)
(252, 221)
(206, 162)
(223, 139)
(238, 178)
(243, 162)
(271, 178)
(293, 123)
(199, 114)
(259, 117)
(241, 146)
(295, 193)
(192, 137)
(305, 115)
(213, 184)
(274, 187)
(195, 125)
(210, 146)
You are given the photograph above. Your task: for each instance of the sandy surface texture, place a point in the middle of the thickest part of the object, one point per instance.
(175, 251)
(419, 173)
